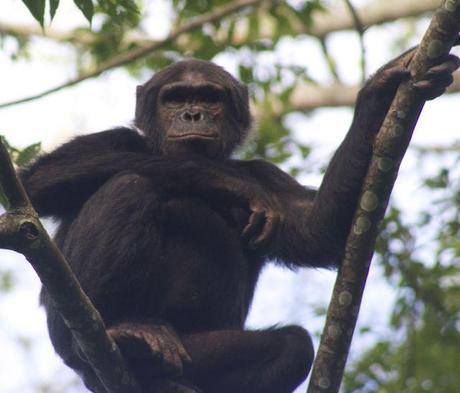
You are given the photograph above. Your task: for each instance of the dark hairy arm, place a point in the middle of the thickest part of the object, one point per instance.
(304, 228)
(59, 182)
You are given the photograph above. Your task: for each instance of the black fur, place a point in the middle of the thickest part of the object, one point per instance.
(168, 235)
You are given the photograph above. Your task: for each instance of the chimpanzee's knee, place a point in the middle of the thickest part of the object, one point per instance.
(298, 354)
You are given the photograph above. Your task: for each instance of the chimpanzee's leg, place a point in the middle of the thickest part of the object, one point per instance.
(233, 361)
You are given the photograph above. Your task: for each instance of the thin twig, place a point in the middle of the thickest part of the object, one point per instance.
(144, 50)
(437, 149)
(359, 26)
(374, 13)
(329, 60)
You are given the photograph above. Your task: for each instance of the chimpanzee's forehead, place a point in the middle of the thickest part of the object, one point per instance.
(199, 71)
(193, 71)
(193, 76)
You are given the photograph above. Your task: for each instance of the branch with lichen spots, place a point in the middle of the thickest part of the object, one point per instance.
(389, 148)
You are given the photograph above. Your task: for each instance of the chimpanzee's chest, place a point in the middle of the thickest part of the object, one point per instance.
(209, 274)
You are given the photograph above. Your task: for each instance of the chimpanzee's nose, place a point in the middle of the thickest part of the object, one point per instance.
(192, 116)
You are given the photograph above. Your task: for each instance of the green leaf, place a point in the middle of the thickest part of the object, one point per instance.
(28, 154)
(87, 7)
(37, 9)
(53, 8)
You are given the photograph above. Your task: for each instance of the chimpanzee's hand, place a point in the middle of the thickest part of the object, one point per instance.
(158, 343)
(265, 218)
(376, 96)
(437, 78)
(435, 82)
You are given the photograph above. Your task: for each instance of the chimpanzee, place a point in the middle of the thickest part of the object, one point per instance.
(167, 233)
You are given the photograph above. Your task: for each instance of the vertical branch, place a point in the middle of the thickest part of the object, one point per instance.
(331, 64)
(21, 231)
(359, 26)
(389, 148)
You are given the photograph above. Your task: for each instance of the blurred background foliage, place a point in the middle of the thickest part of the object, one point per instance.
(419, 255)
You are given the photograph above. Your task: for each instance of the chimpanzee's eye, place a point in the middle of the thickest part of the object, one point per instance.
(210, 95)
(174, 96)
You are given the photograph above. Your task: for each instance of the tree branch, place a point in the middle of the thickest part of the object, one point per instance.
(438, 149)
(389, 148)
(21, 231)
(307, 97)
(359, 27)
(146, 49)
(375, 13)
(330, 61)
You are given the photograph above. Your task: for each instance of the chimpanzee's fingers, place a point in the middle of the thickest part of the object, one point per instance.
(389, 79)
(427, 92)
(172, 364)
(170, 361)
(254, 226)
(441, 83)
(450, 64)
(271, 223)
(184, 354)
(395, 74)
(185, 357)
(437, 78)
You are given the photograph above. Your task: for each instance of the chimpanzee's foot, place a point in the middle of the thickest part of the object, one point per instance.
(157, 344)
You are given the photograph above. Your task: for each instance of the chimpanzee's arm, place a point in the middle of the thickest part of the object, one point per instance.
(61, 181)
(58, 183)
(312, 230)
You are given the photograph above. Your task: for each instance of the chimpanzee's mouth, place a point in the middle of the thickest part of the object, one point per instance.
(192, 135)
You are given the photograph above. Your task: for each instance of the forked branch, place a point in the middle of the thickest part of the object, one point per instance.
(21, 231)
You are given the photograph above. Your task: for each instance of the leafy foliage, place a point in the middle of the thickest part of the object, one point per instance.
(37, 9)
(118, 9)
(86, 7)
(54, 4)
